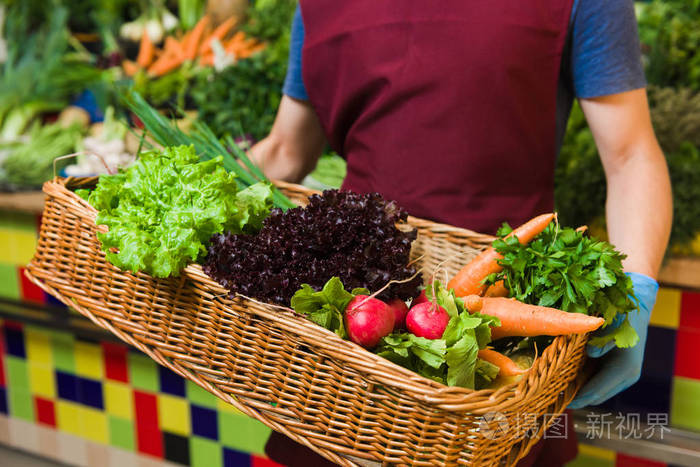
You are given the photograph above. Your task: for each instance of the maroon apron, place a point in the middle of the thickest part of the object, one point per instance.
(447, 107)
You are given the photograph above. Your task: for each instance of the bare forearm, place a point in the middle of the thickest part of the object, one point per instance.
(292, 148)
(639, 208)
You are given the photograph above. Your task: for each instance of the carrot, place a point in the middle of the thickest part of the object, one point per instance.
(506, 366)
(497, 290)
(165, 64)
(130, 68)
(248, 51)
(235, 43)
(146, 51)
(195, 36)
(473, 303)
(219, 33)
(520, 319)
(468, 280)
(173, 47)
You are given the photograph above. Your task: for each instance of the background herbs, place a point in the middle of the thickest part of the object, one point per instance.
(162, 210)
(564, 269)
(342, 234)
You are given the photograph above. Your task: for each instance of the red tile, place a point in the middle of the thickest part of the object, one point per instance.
(690, 310)
(38, 222)
(115, 361)
(256, 461)
(45, 411)
(148, 436)
(30, 292)
(687, 350)
(631, 461)
(15, 325)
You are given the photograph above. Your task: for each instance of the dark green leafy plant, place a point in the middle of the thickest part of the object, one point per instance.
(565, 269)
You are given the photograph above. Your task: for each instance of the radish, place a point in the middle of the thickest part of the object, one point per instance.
(368, 320)
(422, 298)
(400, 309)
(427, 320)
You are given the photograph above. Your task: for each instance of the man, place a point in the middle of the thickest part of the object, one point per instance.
(457, 109)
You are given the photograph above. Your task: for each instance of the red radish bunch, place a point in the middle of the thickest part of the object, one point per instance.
(427, 320)
(400, 310)
(367, 320)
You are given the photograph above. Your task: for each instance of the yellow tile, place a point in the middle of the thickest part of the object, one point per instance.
(25, 244)
(88, 360)
(38, 347)
(94, 425)
(7, 254)
(174, 414)
(118, 400)
(41, 380)
(594, 451)
(226, 407)
(667, 311)
(68, 417)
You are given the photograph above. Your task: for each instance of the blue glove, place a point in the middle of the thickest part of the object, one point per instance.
(620, 368)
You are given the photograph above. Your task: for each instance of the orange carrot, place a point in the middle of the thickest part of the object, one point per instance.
(521, 319)
(506, 366)
(248, 51)
(195, 36)
(146, 51)
(173, 47)
(219, 33)
(235, 43)
(473, 303)
(497, 290)
(130, 68)
(468, 280)
(165, 64)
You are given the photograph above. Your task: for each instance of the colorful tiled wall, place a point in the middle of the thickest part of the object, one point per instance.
(119, 398)
(114, 396)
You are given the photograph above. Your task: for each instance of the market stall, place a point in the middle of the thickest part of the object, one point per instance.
(88, 385)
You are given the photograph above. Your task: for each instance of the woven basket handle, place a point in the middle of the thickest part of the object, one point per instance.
(81, 153)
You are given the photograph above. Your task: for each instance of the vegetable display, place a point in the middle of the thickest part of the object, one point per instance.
(342, 234)
(164, 208)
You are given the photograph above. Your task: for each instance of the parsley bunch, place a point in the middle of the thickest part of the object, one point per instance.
(565, 269)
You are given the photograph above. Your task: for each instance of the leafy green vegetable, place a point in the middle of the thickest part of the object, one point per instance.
(326, 307)
(565, 269)
(451, 360)
(163, 209)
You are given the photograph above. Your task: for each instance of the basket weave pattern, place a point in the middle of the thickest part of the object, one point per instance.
(349, 405)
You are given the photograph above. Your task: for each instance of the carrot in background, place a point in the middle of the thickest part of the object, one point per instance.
(146, 51)
(497, 289)
(194, 38)
(130, 68)
(506, 366)
(521, 319)
(468, 280)
(219, 34)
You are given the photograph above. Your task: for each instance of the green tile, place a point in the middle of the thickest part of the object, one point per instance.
(18, 221)
(205, 453)
(121, 433)
(9, 281)
(63, 345)
(143, 372)
(200, 396)
(17, 374)
(20, 402)
(242, 433)
(583, 460)
(685, 403)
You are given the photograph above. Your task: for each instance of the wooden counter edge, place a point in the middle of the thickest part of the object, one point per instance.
(31, 202)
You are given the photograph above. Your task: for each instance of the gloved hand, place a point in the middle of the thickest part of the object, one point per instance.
(620, 368)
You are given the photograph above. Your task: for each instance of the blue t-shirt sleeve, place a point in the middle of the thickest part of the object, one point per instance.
(293, 82)
(605, 52)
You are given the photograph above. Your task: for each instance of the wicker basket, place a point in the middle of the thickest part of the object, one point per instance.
(348, 404)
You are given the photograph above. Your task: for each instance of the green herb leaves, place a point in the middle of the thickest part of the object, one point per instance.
(327, 306)
(564, 269)
(163, 209)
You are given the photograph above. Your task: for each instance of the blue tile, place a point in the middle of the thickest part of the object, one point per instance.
(14, 341)
(233, 458)
(648, 395)
(67, 386)
(3, 401)
(660, 353)
(90, 392)
(53, 301)
(204, 422)
(171, 382)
